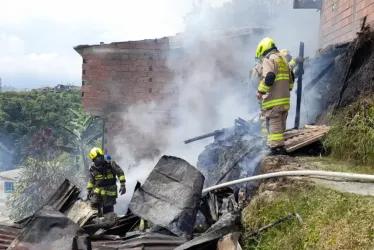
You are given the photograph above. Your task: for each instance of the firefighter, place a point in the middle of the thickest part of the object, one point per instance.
(254, 76)
(254, 79)
(293, 63)
(102, 187)
(274, 93)
(108, 157)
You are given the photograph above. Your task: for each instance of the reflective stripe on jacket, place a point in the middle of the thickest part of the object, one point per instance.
(278, 94)
(103, 179)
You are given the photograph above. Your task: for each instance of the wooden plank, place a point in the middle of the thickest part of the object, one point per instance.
(304, 143)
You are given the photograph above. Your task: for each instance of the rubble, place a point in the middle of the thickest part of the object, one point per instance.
(169, 199)
(50, 229)
(170, 180)
(8, 233)
(228, 223)
(236, 152)
(350, 76)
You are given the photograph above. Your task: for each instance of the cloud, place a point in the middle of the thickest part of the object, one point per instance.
(15, 61)
(38, 36)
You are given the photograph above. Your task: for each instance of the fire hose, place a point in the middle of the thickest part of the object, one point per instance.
(365, 177)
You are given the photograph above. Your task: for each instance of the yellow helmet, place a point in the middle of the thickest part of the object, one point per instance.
(96, 152)
(284, 52)
(266, 44)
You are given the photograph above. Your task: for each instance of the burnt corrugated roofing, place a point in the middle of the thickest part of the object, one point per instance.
(140, 241)
(65, 196)
(7, 235)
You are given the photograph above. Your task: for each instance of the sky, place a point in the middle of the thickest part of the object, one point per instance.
(37, 37)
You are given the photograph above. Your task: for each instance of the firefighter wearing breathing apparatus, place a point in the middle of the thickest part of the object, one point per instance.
(276, 82)
(102, 187)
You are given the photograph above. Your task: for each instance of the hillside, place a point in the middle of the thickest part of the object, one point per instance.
(330, 217)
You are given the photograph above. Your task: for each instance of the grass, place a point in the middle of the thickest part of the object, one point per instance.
(332, 164)
(331, 220)
(351, 136)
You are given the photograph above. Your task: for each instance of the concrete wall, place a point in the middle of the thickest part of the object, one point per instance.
(118, 75)
(341, 19)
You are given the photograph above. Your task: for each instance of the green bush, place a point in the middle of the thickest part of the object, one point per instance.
(351, 136)
(38, 180)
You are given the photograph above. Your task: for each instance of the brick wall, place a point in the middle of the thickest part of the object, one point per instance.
(118, 75)
(341, 19)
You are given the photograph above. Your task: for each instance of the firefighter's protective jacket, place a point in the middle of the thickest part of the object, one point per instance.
(277, 89)
(102, 183)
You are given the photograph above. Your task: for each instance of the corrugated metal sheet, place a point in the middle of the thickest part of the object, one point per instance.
(296, 139)
(65, 196)
(7, 235)
(120, 226)
(141, 241)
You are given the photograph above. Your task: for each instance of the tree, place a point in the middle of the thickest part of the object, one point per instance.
(86, 130)
(24, 113)
(38, 180)
(43, 145)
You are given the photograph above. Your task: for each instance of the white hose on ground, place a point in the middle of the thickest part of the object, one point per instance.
(365, 177)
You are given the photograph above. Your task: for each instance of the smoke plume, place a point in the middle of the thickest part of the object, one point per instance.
(210, 78)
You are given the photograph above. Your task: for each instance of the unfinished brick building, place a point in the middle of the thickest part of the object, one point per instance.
(117, 76)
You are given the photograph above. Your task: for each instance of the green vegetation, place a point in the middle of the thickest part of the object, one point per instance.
(351, 137)
(49, 136)
(82, 128)
(331, 220)
(23, 114)
(39, 179)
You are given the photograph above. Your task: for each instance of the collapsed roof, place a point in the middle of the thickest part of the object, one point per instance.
(169, 199)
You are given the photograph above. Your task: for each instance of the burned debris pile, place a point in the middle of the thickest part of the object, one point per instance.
(171, 179)
(232, 150)
(168, 202)
(348, 74)
(237, 151)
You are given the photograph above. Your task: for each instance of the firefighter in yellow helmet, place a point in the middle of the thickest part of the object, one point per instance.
(102, 186)
(277, 80)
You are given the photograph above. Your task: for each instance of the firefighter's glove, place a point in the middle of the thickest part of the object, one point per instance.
(122, 190)
(299, 59)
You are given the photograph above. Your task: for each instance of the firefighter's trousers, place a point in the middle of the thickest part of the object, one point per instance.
(273, 125)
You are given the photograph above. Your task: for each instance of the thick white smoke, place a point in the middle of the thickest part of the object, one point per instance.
(211, 84)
